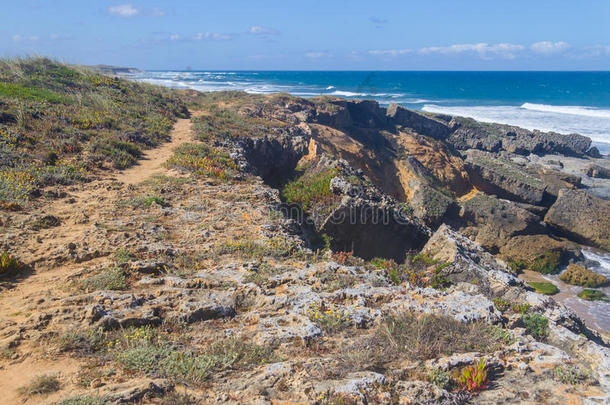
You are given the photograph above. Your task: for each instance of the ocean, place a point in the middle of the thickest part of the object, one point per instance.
(564, 102)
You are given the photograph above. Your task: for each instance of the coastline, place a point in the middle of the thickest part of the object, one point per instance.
(285, 248)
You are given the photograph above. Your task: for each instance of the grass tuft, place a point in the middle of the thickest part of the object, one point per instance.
(40, 385)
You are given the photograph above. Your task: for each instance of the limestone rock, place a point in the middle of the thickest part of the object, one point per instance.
(582, 217)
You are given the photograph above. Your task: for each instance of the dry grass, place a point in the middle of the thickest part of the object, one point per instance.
(40, 385)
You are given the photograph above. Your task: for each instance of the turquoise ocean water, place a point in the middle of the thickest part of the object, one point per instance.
(565, 102)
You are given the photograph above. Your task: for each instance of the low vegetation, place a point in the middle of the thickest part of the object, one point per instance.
(328, 317)
(144, 351)
(59, 122)
(277, 247)
(593, 295)
(419, 337)
(41, 385)
(203, 160)
(536, 325)
(225, 124)
(576, 274)
(544, 287)
(84, 400)
(143, 202)
(572, 375)
(310, 189)
(109, 279)
(420, 270)
(474, 378)
(9, 265)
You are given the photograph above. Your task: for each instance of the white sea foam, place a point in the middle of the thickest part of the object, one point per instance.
(568, 109)
(602, 258)
(341, 93)
(544, 119)
(595, 313)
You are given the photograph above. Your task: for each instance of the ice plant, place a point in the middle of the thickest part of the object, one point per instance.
(474, 378)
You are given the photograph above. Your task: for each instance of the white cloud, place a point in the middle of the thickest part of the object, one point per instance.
(317, 55)
(484, 50)
(597, 50)
(389, 52)
(212, 36)
(123, 10)
(259, 30)
(549, 48)
(174, 37)
(25, 38)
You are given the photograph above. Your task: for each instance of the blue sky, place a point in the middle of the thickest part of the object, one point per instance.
(321, 35)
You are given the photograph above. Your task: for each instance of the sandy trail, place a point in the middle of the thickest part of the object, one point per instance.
(88, 198)
(152, 162)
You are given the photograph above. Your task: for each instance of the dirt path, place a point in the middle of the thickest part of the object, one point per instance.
(153, 160)
(79, 214)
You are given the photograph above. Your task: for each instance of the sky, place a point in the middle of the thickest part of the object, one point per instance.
(313, 35)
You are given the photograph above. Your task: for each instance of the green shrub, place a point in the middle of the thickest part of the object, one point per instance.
(9, 265)
(124, 256)
(593, 295)
(143, 202)
(548, 263)
(501, 305)
(109, 279)
(143, 351)
(40, 385)
(310, 189)
(35, 94)
(87, 341)
(122, 154)
(441, 379)
(420, 270)
(544, 287)
(536, 325)
(18, 183)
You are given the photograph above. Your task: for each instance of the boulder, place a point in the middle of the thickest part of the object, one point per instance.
(468, 133)
(469, 263)
(581, 217)
(492, 222)
(429, 204)
(597, 171)
(579, 275)
(341, 113)
(495, 175)
(418, 122)
(540, 253)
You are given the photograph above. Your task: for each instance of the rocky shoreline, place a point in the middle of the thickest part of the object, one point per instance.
(312, 251)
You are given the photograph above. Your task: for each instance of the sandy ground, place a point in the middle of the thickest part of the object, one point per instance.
(47, 281)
